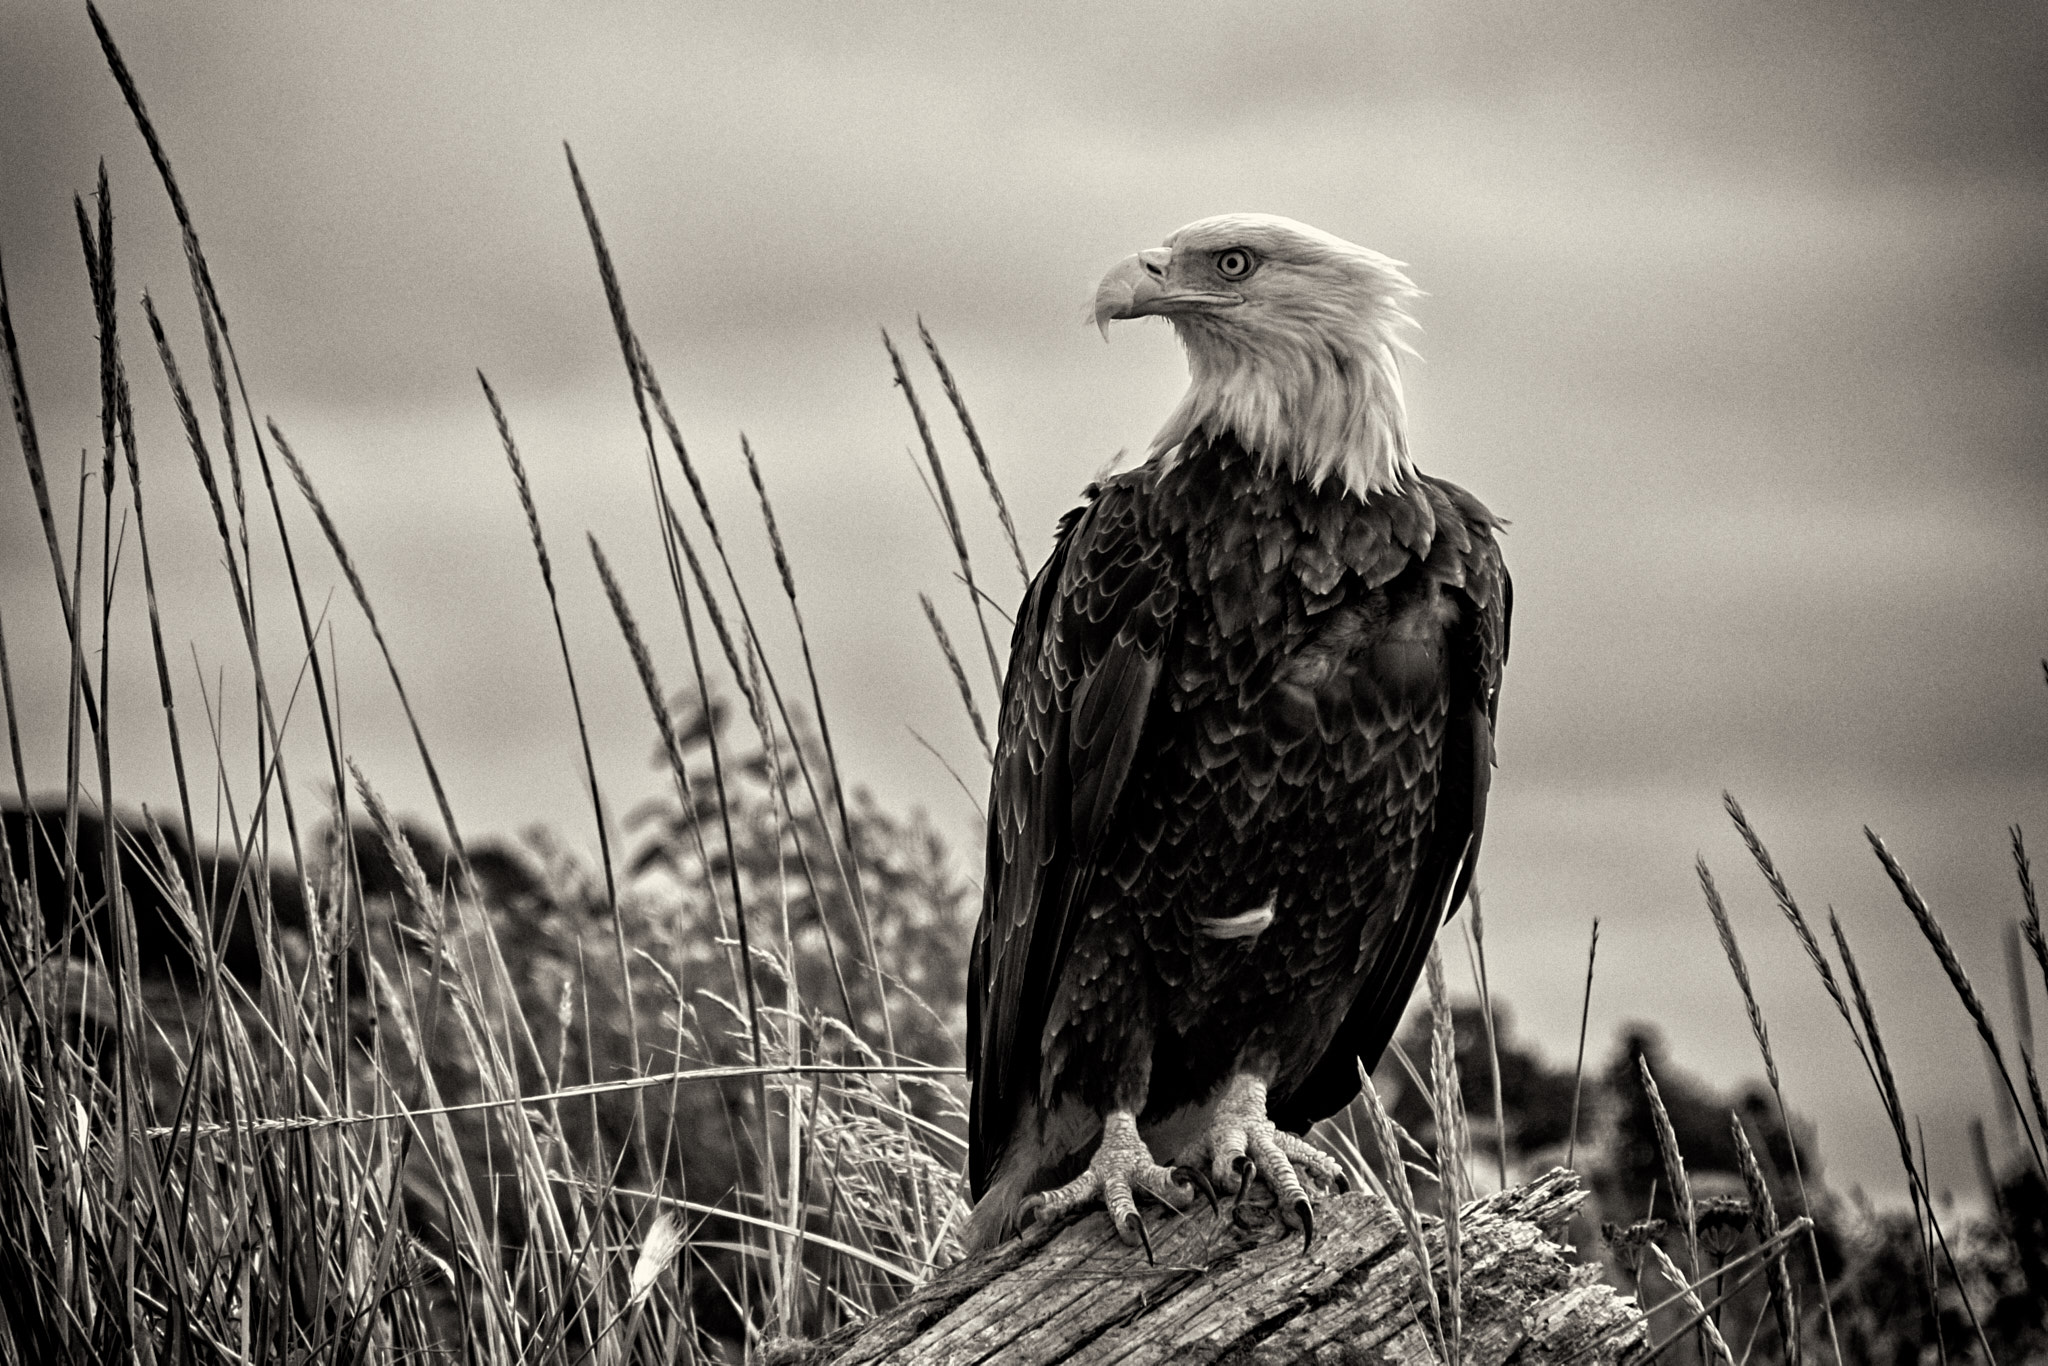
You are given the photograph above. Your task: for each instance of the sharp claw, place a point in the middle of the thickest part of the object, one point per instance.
(1028, 1212)
(1342, 1183)
(1137, 1221)
(1245, 1172)
(1199, 1179)
(1307, 1215)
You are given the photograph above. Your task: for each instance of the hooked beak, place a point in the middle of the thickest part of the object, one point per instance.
(1136, 287)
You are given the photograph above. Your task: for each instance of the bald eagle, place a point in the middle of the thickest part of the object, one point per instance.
(1246, 740)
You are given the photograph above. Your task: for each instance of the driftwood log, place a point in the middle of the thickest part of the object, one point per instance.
(1239, 1289)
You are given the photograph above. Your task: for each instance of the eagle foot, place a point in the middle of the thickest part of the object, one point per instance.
(1122, 1167)
(1243, 1142)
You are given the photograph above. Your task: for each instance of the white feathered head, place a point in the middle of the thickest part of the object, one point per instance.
(1293, 339)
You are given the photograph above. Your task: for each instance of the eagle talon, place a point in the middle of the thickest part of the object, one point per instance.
(1121, 1168)
(1135, 1223)
(1043, 1208)
(1199, 1179)
(1305, 1212)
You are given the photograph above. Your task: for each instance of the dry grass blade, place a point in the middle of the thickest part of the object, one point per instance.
(931, 616)
(646, 388)
(1692, 1302)
(672, 747)
(38, 475)
(214, 316)
(980, 815)
(271, 727)
(362, 596)
(2031, 925)
(1765, 1249)
(1763, 1213)
(848, 864)
(1814, 954)
(117, 396)
(1453, 1146)
(951, 512)
(1937, 939)
(1402, 1195)
(133, 95)
(1881, 1070)
(581, 1091)
(1726, 930)
(2034, 1089)
(1579, 1068)
(1446, 1085)
(1674, 1164)
(547, 574)
(988, 473)
(1793, 915)
(14, 750)
(782, 568)
(604, 842)
(743, 677)
(1478, 946)
(1895, 1111)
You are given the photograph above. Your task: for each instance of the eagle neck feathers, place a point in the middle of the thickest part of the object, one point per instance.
(1320, 401)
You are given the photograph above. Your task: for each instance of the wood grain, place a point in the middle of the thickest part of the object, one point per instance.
(1240, 1291)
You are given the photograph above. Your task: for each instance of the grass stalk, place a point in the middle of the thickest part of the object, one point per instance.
(213, 317)
(1453, 1148)
(1571, 1152)
(2030, 925)
(646, 394)
(1945, 954)
(981, 460)
(362, 596)
(1674, 1165)
(931, 616)
(604, 845)
(1402, 1196)
(643, 664)
(1478, 946)
(952, 513)
(38, 475)
(1781, 892)
(1763, 1213)
(1895, 1111)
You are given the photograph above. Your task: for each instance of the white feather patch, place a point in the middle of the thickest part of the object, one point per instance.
(1306, 372)
(1243, 925)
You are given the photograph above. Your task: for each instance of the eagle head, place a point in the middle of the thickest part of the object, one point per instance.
(1293, 339)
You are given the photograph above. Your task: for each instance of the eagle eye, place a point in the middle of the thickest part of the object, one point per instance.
(1234, 263)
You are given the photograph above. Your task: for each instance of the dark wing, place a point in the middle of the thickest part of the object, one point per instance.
(1470, 566)
(1083, 664)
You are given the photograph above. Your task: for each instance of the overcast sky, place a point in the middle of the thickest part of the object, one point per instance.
(1738, 312)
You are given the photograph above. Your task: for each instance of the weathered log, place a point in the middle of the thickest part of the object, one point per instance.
(1230, 1289)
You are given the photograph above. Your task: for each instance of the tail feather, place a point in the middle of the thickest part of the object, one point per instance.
(1043, 1151)
(994, 1220)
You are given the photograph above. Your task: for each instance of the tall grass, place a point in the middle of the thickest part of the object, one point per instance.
(380, 1145)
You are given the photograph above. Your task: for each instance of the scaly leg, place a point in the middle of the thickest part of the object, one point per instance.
(1122, 1166)
(1243, 1142)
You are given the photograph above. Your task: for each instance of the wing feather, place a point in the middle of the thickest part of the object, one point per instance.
(1450, 851)
(1084, 665)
